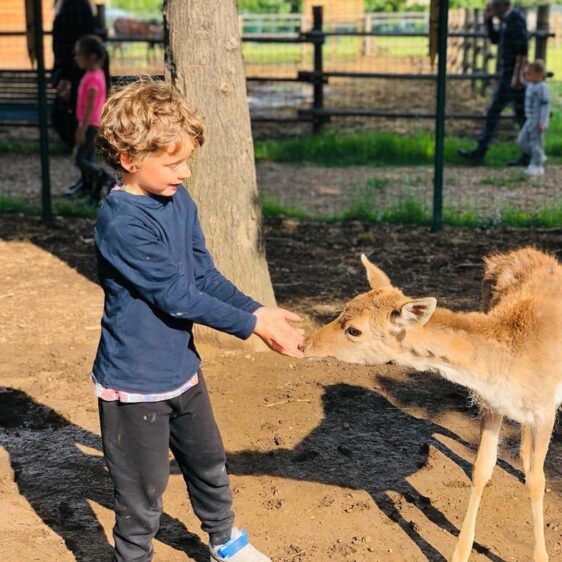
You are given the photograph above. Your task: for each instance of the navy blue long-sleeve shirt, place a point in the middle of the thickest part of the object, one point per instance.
(512, 40)
(158, 278)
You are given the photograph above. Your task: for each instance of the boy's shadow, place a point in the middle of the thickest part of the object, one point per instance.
(59, 480)
(364, 442)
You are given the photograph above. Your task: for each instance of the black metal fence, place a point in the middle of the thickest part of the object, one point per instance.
(329, 86)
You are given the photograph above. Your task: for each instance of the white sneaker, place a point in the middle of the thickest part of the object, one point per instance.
(544, 158)
(534, 171)
(237, 549)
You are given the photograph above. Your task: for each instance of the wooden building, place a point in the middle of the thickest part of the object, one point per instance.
(336, 8)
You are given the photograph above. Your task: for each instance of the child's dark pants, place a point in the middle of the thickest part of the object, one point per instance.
(136, 438)
(93, 174)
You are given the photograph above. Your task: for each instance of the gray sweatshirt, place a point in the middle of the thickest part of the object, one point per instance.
(537, 104)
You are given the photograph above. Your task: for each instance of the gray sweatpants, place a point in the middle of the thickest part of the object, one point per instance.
(136, 438)
(531, 141)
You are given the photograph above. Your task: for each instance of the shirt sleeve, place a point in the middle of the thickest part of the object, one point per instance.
(137, 253)
(91, 82)
(517, 31)
(210, 280)
(493, 33)
(544, 105)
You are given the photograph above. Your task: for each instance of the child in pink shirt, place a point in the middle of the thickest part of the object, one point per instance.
(91, 55)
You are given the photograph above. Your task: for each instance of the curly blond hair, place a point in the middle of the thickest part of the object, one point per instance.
(143, 118)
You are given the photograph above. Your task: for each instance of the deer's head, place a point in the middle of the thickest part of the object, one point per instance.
(372, 325)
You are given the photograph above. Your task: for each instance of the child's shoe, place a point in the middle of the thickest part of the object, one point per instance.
(237, 549)
(534, 171)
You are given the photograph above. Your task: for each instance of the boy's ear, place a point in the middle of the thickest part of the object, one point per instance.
(126, 163)
(415, 313)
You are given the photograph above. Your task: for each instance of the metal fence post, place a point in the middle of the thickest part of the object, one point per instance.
(437, 222)
(47, 213)
(317, 35)
(543, 27)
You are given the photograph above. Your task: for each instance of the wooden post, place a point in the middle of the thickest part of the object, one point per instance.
(543, 27)
(485, 64)
(475, 47)
(318, 39)
(368, 27)
(304, 46)
(466, 42)
(100, 15)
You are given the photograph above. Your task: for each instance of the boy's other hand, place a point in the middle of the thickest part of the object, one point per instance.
(542, 128)
(274, 329)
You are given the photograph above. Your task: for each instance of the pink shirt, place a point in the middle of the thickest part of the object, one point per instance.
(93, 79)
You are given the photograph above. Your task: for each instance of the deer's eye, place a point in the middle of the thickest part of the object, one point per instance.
(354, 332)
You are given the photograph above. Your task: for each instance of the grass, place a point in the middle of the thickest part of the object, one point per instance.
(272, 208)
(374, 148)
(410, 211)
(377, 184)
(340, 49)
(507, 181)
(407, 210)
(15, 146)
(61, 207)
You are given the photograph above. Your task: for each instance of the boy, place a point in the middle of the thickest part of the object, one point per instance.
(158, 279)
(537, 109)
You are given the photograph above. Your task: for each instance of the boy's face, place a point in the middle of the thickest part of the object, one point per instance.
(533, 76)
(161, 173)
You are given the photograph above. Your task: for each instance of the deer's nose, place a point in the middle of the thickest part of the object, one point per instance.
(308, 346)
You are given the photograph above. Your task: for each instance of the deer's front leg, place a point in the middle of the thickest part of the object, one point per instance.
(536, 481)
(481, 474)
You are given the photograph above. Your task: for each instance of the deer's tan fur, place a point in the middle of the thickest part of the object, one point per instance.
(509, 356)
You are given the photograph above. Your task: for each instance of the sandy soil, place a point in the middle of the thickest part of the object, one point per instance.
(328, 461)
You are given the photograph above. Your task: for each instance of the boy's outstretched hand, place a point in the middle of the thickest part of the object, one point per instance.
(274, 329)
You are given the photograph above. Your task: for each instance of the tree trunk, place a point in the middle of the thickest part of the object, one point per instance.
(204, 61)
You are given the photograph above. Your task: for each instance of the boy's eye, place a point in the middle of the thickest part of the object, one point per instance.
(177, 165)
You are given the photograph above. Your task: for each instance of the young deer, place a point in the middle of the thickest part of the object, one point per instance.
(509, 356)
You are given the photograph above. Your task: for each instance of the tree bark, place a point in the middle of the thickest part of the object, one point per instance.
(204, 61)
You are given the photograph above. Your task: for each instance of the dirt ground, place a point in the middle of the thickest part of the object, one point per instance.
(325, 191)
(328, 462)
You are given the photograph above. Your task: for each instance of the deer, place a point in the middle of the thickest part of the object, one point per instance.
(509, 356)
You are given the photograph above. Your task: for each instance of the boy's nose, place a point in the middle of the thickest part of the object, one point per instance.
(185, 173)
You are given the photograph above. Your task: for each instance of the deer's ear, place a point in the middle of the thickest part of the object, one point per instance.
(415, 313)
(377, 278)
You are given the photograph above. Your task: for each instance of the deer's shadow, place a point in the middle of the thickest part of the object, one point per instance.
(365, 443)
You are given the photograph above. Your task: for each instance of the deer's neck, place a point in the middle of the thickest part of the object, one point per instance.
(461, 347)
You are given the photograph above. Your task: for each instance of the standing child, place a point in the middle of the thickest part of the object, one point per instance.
(537, 109)
(159, 279)
(91, 55)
